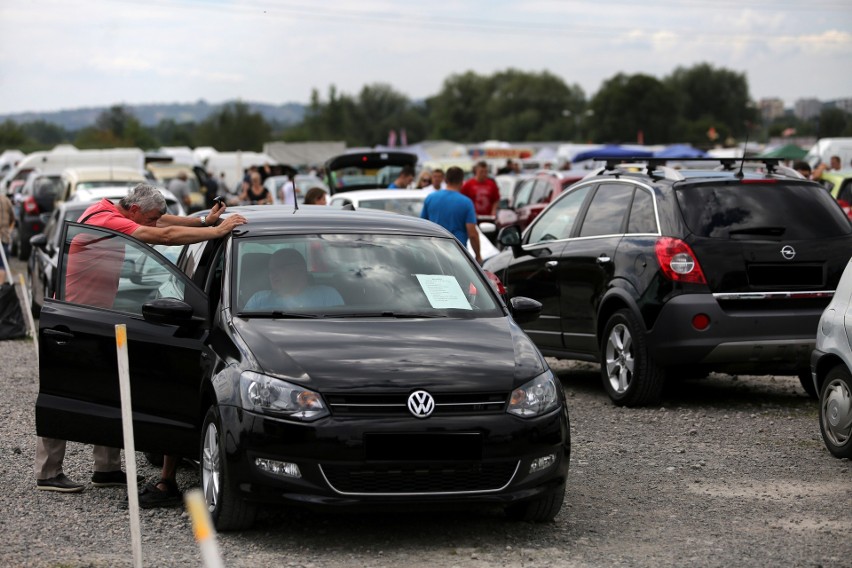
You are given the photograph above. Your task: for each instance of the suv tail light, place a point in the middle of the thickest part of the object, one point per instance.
(496, 283)
(678, 262)
(30, 206)
(845, 206)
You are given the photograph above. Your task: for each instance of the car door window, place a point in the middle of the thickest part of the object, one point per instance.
(607, 210)
(541, 191)
(105, 269)
(558, 220)
(522, 198)
(642, 218)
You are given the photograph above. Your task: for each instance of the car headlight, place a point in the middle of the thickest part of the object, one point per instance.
(538, 396)
(268, 395)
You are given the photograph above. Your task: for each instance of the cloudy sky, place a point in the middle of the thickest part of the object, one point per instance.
(62, 54)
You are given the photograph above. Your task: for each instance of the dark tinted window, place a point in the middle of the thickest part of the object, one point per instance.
(557, 221)
(845, 192)
(606, 212)
(753, 210)
(642, 219)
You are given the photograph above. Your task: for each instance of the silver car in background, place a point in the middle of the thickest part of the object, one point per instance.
(831, 366)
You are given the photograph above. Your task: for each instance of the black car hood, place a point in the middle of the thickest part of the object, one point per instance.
(451, 354)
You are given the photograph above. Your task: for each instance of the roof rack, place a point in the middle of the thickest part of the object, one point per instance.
(654, 167)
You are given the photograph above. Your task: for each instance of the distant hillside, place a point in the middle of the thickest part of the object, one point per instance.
(152, 114)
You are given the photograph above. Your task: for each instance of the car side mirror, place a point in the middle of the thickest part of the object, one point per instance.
(524, 310)
(167, 310)
(510, 237)
(487, 228)
(38, 241)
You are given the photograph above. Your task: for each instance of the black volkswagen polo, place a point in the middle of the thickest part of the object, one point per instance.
(317, 356)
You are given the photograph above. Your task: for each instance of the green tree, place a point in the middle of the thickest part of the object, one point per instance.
(703, 95)
(234, 127)
(834, 122)
(12, 135)
(627, 105)
(115, 127)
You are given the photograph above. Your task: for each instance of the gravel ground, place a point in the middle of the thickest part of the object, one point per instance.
(729, 471)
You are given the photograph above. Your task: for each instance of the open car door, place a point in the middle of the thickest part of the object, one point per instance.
(166, 318)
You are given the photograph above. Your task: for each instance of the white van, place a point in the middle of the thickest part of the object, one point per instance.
(62, 157)
(233, 164)
(825, 148)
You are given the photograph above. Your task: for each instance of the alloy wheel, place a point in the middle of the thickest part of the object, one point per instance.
(619, 358)
(210, 467)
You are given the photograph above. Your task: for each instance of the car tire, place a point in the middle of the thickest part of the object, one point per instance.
(228, 510)
(35, 309)
(23, 250)
(807, 382)
(542, 509)
(835, 412)
(630, 375)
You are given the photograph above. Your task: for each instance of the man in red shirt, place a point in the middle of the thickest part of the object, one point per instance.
(94, 267)
(483, 191)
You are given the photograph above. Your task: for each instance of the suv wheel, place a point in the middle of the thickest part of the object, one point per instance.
(630, 375)
(835, 412)
(228, 511)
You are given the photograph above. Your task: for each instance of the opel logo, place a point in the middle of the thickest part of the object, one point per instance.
(421, 404)
(788, 252)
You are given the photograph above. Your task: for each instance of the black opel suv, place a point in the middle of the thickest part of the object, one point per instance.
(658, 273)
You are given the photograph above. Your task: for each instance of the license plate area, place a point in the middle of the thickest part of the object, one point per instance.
(456, 446)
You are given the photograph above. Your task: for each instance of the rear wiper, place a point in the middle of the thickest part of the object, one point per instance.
(771, 231)
(277, 314)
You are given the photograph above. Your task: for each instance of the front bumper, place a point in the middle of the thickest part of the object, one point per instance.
(757, 340)
(340, 464)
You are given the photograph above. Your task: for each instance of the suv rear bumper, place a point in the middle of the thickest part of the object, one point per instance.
(764, 341)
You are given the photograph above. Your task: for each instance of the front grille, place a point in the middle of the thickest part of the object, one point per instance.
(786, 275)
(446, 404)
(402, 479)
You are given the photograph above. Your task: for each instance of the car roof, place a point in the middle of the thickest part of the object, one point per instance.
(284, 219)
(99, 173)
(366, 194)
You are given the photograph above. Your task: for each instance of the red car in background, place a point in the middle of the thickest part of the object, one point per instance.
(532, 195)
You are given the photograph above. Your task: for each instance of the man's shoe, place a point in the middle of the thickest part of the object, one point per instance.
(59, 483)
(152, 496)
(112, 479)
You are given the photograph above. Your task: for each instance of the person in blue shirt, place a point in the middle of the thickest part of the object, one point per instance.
(404, 179)
(454, 211)
(288, 276)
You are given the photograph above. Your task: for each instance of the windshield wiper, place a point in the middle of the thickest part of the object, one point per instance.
(771, 231)
(398, 315)
(278, 314)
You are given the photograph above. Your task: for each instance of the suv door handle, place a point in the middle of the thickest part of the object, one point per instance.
(60, 336)
(603, 259)
(551, 264)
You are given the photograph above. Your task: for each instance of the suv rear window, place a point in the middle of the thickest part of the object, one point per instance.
(761, 211)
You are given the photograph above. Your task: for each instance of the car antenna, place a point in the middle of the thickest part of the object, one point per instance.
(292, 177)
(740, 174)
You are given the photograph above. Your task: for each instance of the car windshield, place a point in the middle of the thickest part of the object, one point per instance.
(761, 210)
(406, 206)
(365, 177)
(105, 183)
(354, 275)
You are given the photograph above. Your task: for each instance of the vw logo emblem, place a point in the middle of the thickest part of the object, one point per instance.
(421, 404)
(788, 252)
